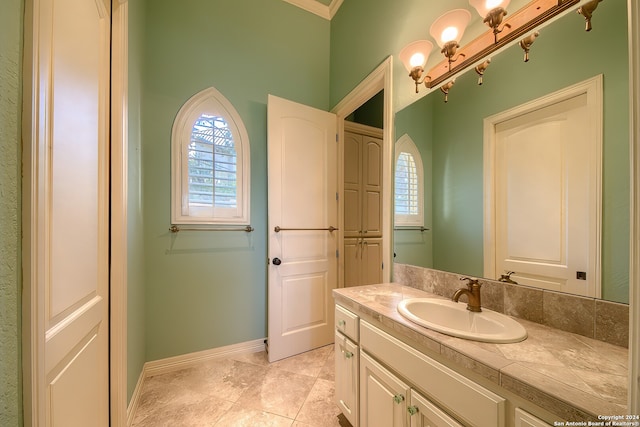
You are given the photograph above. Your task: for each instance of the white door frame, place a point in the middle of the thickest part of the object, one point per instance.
(31, 309)
(633, 9)
(119, 185)
(380, 79)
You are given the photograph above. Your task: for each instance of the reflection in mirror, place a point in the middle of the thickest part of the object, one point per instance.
(450, 140)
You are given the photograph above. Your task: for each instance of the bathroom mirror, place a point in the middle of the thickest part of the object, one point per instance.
(449, 137)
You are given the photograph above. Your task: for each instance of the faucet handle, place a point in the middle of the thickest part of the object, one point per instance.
(470, 281)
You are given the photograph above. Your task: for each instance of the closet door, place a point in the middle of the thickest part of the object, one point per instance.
(352, 185)
(371, 187)
(352, 262)
(371, 261)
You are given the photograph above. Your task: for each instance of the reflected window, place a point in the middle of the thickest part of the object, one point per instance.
(409, 183)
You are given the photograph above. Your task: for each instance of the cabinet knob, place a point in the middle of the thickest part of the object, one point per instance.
(341, 323)
(412, 410)
(398, 398)
(348, 354)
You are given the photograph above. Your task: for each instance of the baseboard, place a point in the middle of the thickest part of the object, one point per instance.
(135, 398)
(170, 364)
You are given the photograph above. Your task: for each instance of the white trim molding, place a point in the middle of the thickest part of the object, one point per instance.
(317, 8)
(176, 363)
(119, 185)
(633, 9)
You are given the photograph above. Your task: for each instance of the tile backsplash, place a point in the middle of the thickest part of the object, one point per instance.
(594, 318)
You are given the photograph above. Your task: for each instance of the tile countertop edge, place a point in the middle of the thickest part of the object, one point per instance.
(573, 404)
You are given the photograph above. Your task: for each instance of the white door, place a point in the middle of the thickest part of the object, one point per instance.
(66, 238)
(546, 198)
(303, 207)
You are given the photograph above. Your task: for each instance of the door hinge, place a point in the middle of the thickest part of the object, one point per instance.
(337, 253)
(337, 137)
(337, 197)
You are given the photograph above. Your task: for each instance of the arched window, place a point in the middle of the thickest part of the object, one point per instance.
(210, 162)
(409, 184)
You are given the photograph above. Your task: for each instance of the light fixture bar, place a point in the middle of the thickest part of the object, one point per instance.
(521, 22)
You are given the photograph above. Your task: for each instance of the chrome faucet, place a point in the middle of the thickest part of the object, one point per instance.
(473, 294)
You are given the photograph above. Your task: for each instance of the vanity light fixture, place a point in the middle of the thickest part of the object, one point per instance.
(586, 10)
(526, 43)
(493, 12)
(447, 30)
(414, 57)
(481, 68)
(445, 89)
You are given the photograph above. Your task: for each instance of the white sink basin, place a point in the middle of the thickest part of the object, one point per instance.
(452, 318)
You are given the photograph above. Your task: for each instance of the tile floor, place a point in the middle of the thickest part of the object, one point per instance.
(244, 390)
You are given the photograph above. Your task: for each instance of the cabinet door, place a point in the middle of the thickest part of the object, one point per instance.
(346, 382)
(383, 397)
(424, 413)
(525, 419)
(352, 253)
(352, 185)
(371, 187)
(371, 261)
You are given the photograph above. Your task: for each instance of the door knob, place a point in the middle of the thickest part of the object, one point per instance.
(276, 261)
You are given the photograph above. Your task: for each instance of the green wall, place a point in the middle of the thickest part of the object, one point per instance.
(136, 325)
(206, 289)
(457, 129)
(10, 191)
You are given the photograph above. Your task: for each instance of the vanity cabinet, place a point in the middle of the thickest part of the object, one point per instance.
(424, 413)
(383, 397)
(525, 419)
(347, 357)
(461, 398)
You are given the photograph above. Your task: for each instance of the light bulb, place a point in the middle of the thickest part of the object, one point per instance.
(415, 54)
(450, 26)
(449, 34)
(417, 59)
(490, 4)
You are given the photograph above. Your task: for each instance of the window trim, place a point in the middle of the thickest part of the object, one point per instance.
(208, 101)
(405, 144)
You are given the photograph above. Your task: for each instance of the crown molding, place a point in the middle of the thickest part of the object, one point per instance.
(334, 6)
(317, 8)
